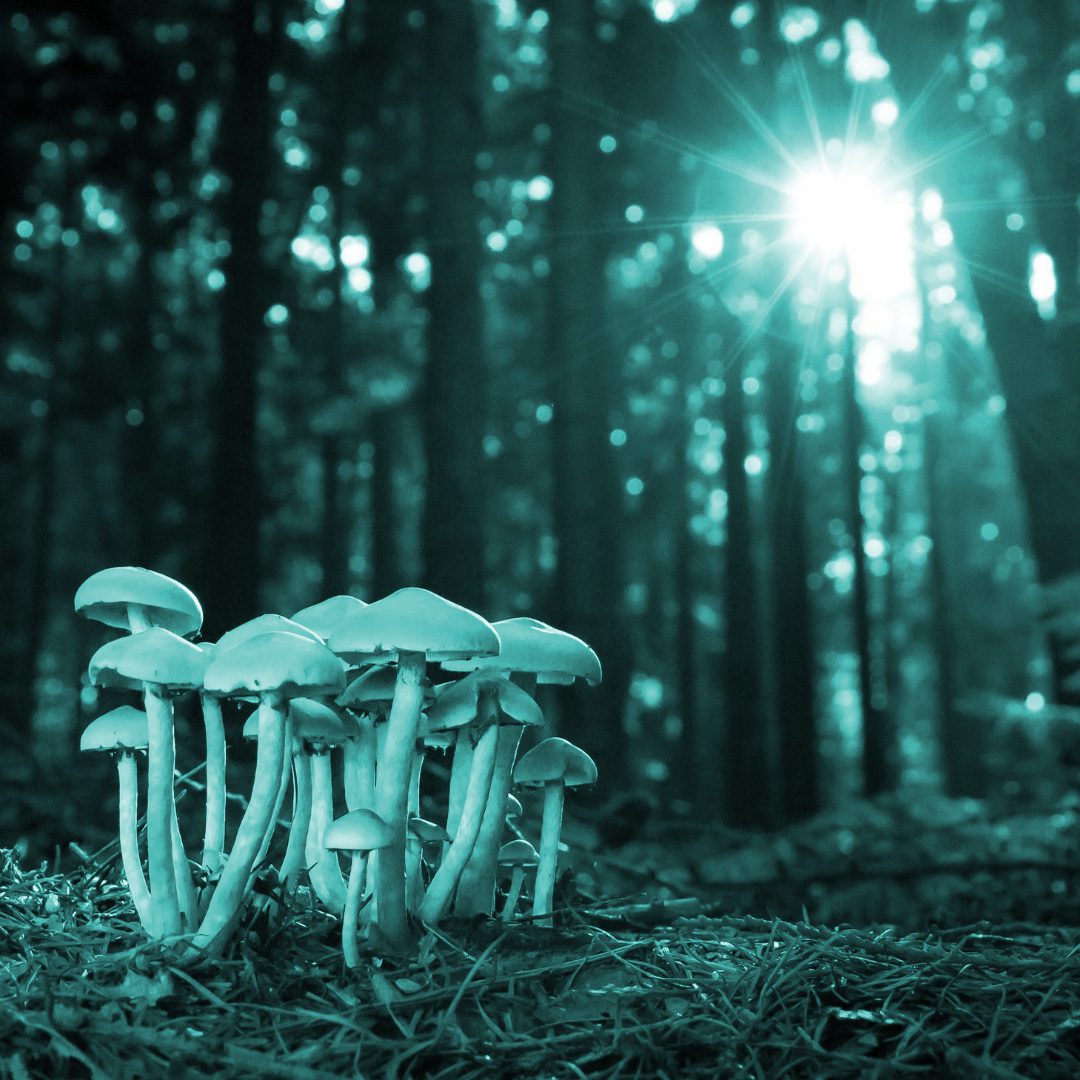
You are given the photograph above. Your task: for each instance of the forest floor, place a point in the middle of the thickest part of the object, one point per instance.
(900, 937)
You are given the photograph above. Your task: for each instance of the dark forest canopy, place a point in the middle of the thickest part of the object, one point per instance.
(738, 339)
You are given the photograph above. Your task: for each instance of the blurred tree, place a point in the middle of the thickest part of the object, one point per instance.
(587, 501)
(231, 564)
(455, 388)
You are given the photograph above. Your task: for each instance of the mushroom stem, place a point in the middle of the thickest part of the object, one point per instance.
(293, 861)
(359, 766)
(352, 909)
(128, 776)
(224, 907)
(459, 780)
(550, 827)
(516, 879)
(214, 833)
(187, 897)
(279, 799)
(324, 870)
(437, 898)
(392, 796)
(476, 890)
(160, 808)
(415, 770)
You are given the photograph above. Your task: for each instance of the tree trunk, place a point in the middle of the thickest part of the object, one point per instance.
(748, 780)
(231, 560)
(454, 392)
(792, 646)
(879, 754)
(587, 498)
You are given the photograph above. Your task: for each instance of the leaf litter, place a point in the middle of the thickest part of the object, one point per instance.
(647, 986)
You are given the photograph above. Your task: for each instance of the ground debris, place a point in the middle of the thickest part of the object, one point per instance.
(645, 988)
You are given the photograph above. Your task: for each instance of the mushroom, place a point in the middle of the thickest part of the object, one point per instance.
(518, 855)
(368, 697)
(134, 598)
(157, 661)
(264, 624)
(554, 765)
(410, 626)
(122, 732)
(319, 728)
(532, 652)
(276, 667)
(421, 832)
(324, 617)
(475, 708)
(359, 832)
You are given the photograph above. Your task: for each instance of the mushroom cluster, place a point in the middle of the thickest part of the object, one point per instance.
(345, 675)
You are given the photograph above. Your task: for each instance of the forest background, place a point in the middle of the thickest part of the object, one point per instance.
(543, 306)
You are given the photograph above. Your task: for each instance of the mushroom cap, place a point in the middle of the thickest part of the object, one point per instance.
(418, 621)
(325, 616)
(458, 706)
(555, 759)
(155, 656)
(105, 597)
(373, 692)
(279, 663)
(123, 728)
(518, 853)
(359, 830)
(264, 624)
(318, 722)
(427, 832)
(514, 809)
(533, 647)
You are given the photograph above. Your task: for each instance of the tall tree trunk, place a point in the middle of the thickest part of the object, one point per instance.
(587, 499)
(336, 444)
(231, 559)
(790, 624)
(879, 754)
(748, 780)
(453, 404)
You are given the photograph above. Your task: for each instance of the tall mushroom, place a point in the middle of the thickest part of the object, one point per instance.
(160, 663)
(532, 652)
(554, 765)
(123, 733)
(275, 667)
(410, 626)
(475, 708)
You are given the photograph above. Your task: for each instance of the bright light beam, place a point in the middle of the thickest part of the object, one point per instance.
(833, 210)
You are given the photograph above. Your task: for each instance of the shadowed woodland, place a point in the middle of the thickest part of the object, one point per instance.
(737, 339)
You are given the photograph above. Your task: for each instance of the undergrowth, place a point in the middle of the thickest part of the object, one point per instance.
(608, 994)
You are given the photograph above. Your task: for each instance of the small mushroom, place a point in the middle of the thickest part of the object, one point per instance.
(554, 765)
(421, 833)
(123, 733)
(518, 855)
(358, 832)
(216, 762)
